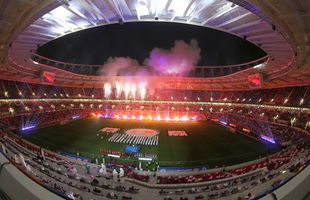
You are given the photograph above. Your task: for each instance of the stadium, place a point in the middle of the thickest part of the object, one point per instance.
(155, 99)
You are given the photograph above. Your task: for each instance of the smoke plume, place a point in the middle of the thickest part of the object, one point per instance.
(118, 66)
(180, 59)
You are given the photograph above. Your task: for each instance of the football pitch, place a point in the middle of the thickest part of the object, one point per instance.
(207, 143)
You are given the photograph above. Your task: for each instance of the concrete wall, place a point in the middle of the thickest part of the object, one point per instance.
(18, 186)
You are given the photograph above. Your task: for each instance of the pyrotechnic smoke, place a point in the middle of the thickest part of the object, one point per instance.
(119, 89)
(180, 59)
(119, 66)
(133, 90)
(107, 90)
(142, 90)
(127, 90)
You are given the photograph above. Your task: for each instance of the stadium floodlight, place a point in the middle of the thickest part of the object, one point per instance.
(259, 66)
(27, 128)
(223, 122)
(142, 8)
(35, 62)
(11, 110)
(268, 139)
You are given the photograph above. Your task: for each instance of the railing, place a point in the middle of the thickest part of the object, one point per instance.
(199, 71)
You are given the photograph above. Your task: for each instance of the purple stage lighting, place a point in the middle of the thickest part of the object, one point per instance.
(222, 122)
(27, 128)
(268, 139)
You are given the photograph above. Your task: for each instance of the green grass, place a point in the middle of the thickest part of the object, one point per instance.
(207, 143)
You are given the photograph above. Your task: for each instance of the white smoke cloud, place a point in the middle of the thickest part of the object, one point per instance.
(180, 59)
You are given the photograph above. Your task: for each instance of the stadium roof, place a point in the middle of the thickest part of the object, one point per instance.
(280, 28)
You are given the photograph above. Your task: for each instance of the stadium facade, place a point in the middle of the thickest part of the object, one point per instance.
(265, 99)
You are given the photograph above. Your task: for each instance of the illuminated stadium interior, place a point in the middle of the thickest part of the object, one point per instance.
(155, 99)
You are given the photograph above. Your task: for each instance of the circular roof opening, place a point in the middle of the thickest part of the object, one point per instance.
(161, 47)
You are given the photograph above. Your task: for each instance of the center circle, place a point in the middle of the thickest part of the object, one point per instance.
(142, 132)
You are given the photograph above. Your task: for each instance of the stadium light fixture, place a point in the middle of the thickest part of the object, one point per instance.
(35, 62)
(27, 128)
(223, 122)
(142, 8)
(11, 110)
(259, 66)
(268, 139)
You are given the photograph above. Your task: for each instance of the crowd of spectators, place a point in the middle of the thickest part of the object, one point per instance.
(288, 127)
(291, 96)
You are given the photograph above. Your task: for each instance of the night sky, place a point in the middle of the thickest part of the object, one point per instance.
(137, 39)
